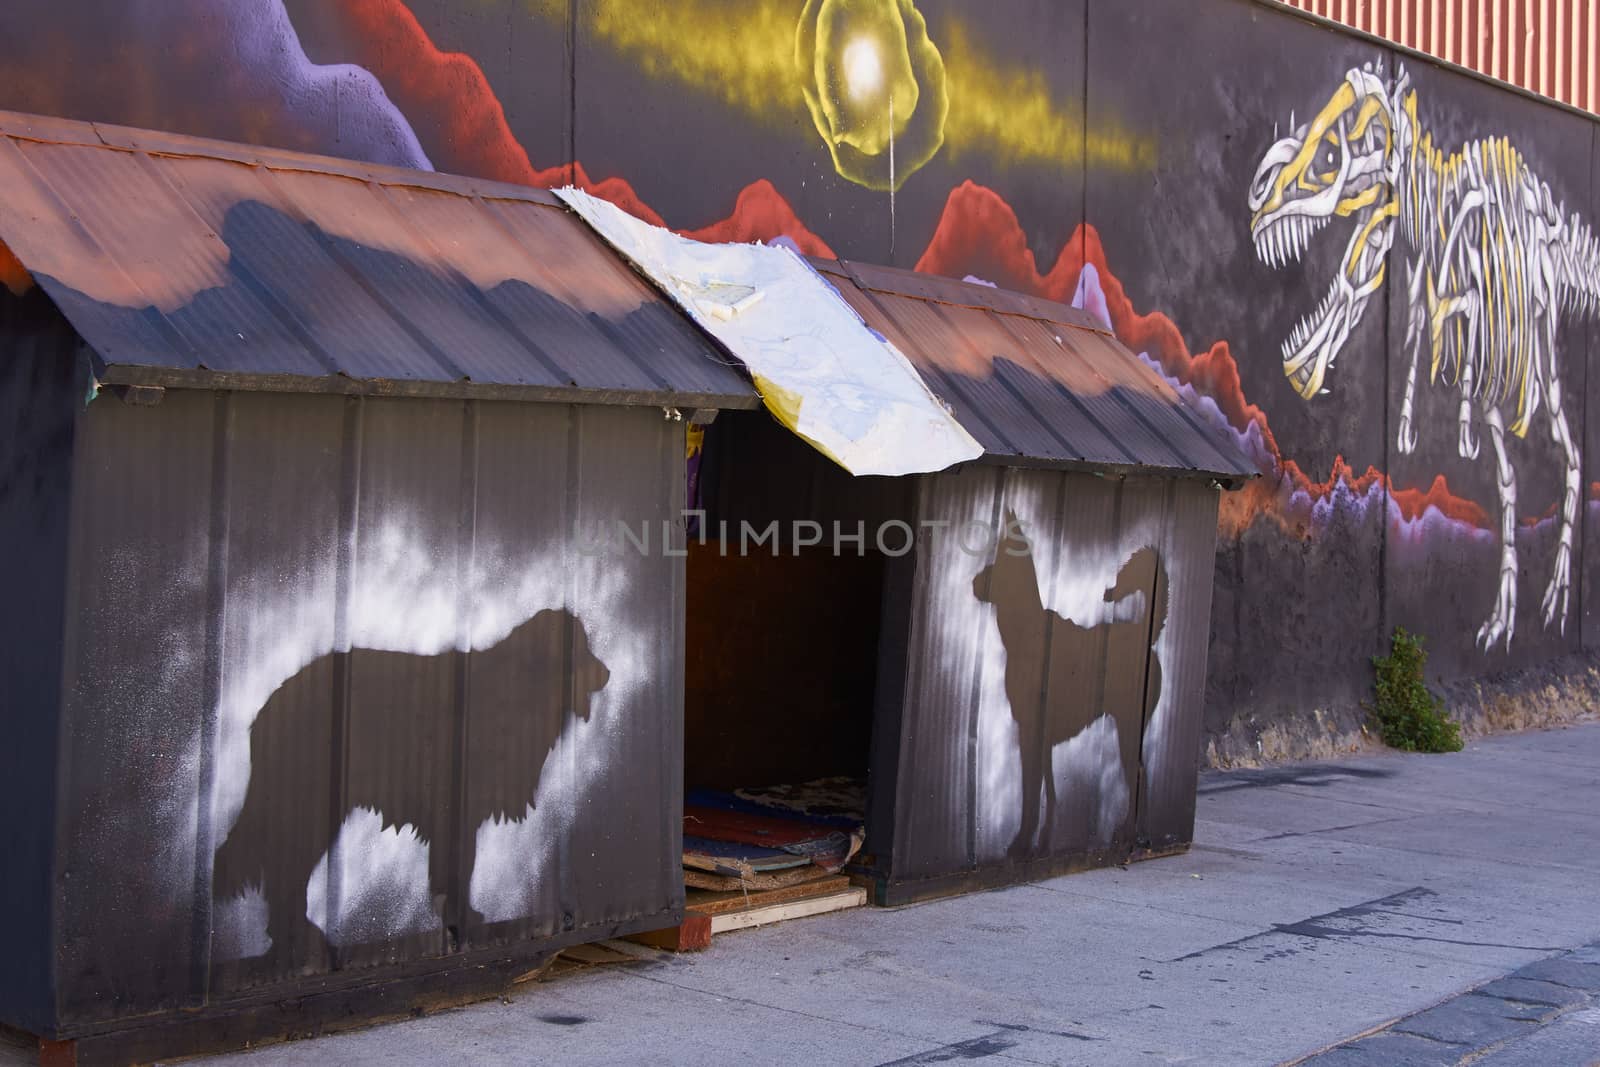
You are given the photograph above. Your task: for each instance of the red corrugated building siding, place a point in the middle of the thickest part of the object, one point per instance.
(1545, 46)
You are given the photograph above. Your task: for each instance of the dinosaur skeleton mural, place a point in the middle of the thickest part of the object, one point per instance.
(1494, 261)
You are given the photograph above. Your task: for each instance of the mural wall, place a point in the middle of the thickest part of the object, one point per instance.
(1379, 276)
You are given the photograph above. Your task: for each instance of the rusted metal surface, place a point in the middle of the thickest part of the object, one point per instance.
(1036, 382)
(173, 254)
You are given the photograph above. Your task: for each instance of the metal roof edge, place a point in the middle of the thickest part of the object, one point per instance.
(882, 278)
(1226, 480)
(48, 129)
(341, 385)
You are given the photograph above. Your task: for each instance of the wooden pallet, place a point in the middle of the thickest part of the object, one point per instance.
(710, 902)
(707, 912)
(852, 897)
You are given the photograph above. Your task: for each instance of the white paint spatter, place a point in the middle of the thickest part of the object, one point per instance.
(146, 707)
(239, 926)
(1091, 785)
(383, 877)
(967, 626)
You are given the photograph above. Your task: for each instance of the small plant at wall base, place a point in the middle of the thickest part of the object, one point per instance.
(1407, 715)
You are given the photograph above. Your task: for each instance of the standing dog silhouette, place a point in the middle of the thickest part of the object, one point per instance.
(401, 755)
(1061, 677)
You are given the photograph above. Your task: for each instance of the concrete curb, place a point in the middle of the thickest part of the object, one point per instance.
(1476, 1026)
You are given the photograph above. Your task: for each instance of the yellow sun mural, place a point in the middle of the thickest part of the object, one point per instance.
(884, 93)
(875, 86)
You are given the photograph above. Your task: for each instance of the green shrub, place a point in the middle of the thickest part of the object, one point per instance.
(1408, 716)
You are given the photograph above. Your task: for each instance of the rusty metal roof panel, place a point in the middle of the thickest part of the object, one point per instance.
(179, 255)
(970, 370)
(1062, 356)
(1036, 382)
(936, 288)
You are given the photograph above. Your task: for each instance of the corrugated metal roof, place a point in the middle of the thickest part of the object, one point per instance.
(1034, 381)
(255, 267)
(189, 261)
(1548, 47)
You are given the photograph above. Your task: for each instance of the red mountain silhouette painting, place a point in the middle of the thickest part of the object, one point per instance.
(978, 234)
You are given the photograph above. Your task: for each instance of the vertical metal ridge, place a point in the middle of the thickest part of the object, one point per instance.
(1058, 485)
(916, 637)
(1140, 785)
(459, 905)
(672, 742)
(1546, 47)
(350, 480)
(567, 889)
(210, 697)
(975, 698)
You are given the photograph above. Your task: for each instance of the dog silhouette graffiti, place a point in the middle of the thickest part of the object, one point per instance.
(1062, 678)
(404, 753)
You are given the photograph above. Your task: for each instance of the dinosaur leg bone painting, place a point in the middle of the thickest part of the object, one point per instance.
(1494, 262)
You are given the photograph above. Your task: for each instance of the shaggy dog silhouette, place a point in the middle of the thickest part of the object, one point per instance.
(401, 755)
(1054, 705)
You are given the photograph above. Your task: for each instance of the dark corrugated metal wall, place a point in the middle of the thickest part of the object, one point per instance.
(311, 566)
(1172, 737)
(936, 816)
(1011, 664)
(38, 390)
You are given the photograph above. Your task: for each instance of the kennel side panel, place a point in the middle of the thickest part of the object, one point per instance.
(1174, 725)
(135, 676)
(625, 850)
(935, 816)
(40, 394)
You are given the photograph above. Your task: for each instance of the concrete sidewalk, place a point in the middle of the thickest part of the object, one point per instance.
(1319, 902)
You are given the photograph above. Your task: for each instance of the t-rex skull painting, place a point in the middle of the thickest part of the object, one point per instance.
(1494, 261)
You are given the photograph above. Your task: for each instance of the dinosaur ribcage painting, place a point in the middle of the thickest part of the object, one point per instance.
(433, 744)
